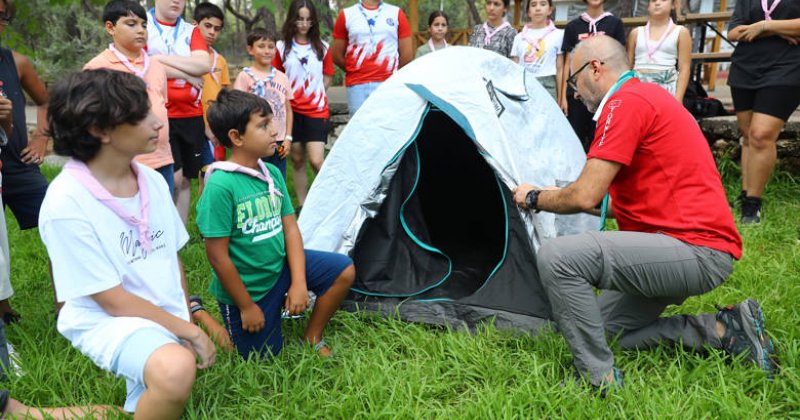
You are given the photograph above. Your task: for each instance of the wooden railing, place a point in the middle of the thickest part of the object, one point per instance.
(700, 57)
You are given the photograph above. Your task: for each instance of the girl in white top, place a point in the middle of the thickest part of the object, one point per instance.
(538, 46)
(437, 28)
(661, 52)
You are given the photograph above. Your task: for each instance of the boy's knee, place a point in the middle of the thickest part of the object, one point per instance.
(348, 276)
(171, 371)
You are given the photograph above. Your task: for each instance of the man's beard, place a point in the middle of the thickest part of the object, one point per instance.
(592, 100)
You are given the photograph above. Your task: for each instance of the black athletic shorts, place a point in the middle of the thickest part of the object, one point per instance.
(187, 136)
(778, 101)
(307, 129)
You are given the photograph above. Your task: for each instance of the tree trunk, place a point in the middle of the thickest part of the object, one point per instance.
(475, 16)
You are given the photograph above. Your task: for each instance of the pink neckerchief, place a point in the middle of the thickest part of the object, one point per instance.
(487, 39)
(535, 42)
(262, 174)
(213, 72)
(127, 63)
(651, 51)
(593, 22)
(768, 10)
(81, 172)
(433, 47)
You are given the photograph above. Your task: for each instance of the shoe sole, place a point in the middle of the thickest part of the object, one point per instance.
(752, 315)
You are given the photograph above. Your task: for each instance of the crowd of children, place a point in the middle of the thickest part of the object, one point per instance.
(157, 106)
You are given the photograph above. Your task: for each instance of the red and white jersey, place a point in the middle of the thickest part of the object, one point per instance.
(372, 36)
(306, 72)
(180, 38)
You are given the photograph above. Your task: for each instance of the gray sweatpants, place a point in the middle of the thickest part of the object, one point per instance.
(640, 274)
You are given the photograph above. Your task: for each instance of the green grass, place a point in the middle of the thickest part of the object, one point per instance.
(387, 368)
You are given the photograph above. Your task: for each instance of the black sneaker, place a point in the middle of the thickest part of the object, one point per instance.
(751, 210)
(746, 333)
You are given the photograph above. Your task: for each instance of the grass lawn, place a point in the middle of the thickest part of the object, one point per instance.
(388, 368)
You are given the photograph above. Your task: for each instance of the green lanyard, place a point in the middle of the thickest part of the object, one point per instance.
(624, 77)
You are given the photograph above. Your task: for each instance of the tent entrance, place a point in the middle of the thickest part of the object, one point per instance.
(442, 231)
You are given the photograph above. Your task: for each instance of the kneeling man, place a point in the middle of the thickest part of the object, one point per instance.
(677, 237)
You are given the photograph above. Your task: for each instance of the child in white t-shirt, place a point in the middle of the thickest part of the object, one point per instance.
(113, 235)
(538, 46)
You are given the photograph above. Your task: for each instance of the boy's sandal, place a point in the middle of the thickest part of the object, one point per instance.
(317, 347)
(11, 317)
(196, 303)
(4, 396)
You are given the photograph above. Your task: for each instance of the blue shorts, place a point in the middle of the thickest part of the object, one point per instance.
(168, 172)
(131, 357)
(277, 161)
(322, 269)
(24, 195)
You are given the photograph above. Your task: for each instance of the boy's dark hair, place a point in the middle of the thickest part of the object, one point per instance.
(11, 10)
(290, 27)
(507, 3)
(232, 110)
(258, 34)
(435, 14)
(206, 10)
(101, 99)
(116, 9)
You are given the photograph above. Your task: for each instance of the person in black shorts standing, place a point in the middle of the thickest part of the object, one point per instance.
(595, 21)
(765, 86)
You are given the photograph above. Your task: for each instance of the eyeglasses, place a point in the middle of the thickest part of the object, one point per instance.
(572, 80)
(304, 22)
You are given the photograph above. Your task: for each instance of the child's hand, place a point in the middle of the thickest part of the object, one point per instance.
(252, 319)
(564, 107)
(283, 151)
(296, 299)
(203, 348)
(220, 336)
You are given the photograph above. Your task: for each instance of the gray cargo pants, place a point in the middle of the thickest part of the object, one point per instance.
(640, 274)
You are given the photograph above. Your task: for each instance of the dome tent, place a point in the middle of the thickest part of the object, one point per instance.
(417, 190)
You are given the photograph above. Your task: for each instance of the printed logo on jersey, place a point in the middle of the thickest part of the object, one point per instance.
(611, 107)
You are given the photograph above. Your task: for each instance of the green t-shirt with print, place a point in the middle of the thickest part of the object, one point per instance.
(239, 206)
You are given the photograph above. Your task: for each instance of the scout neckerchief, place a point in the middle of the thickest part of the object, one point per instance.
(489, 34)
(433, 47)
(213, 71)
(651, 51)
(262, 174)
(535, 42)
(624, 77)
(303, 59)
(260, 87)
(371, 21)
(81, 172)
(170, 45)
(593, 22)
(127, 63)
(768, 10)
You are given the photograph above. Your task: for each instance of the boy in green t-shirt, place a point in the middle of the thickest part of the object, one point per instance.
(252, 239)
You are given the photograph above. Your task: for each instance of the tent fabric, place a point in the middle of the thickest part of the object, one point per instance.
(417, 189)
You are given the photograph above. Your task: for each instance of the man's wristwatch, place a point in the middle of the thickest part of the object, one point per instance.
(532, 200)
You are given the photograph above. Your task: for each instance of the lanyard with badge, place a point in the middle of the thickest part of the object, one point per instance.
(170, 45)
(624, 77)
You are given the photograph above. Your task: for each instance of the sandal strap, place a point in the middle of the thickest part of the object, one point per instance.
(320, 344)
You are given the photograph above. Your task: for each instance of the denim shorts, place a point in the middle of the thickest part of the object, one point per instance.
(357, 94)
(132, 356)
(322, 269)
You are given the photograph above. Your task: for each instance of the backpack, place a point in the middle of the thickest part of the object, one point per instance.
(699, 104)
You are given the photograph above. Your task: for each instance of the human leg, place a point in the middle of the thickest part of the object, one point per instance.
(633, 263)
(329, 276)
(168, 172)
(187, 139)
(316, 154)
(299, 171)
(269, 340)
(11, 408)
(743, 120)
(358, 94)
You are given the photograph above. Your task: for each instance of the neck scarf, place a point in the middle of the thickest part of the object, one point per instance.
(433, 47)
(260, 87)
(535, 42)
(169, 43)
(82, 173)
(593, 22)
(262, 174)
(488, 33)
(125, 61)
(651, 51)
(768, 10)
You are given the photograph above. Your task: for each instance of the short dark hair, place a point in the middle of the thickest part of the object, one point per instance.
(507, 3)
(11, 10)
(206, 10)
(232, 110)
(435, 14)
(116, 9)
(101, 99)
(258, 34)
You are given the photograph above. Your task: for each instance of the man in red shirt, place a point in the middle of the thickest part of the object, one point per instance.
(677, 237)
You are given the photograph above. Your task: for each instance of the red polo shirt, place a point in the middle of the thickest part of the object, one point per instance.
(669, 181)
